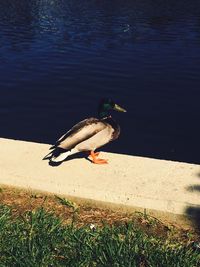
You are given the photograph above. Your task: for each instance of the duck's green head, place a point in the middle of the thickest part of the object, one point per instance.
(106, 105)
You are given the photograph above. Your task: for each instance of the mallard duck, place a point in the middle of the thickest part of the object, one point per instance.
(88, 135)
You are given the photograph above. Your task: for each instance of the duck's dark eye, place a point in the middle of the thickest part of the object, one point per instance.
(111, 104)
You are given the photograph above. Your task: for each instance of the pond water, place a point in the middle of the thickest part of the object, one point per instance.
(59, 58)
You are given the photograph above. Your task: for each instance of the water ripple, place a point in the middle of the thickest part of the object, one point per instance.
(59, 57)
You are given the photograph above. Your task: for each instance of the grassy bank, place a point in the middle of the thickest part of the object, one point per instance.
(32, 235)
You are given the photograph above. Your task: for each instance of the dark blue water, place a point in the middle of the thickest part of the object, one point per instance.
(59, 57)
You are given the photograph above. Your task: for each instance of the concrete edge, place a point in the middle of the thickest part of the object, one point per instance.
(128, 184)
(168, 218)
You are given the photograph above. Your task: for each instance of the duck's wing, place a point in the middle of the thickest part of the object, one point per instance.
(80, 132)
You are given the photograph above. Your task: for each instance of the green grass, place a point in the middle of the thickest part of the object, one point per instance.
(39, 238)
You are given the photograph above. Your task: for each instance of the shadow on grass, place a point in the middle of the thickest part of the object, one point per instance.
(193, 212)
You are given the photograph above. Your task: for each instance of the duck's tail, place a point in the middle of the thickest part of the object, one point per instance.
(59, 154)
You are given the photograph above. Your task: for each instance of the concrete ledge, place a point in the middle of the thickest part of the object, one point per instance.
(127, 181)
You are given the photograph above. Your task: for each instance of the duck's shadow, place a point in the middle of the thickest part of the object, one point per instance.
(76, 156)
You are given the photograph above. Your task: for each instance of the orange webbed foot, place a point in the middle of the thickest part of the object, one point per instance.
(95, 160)
(100, 161)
